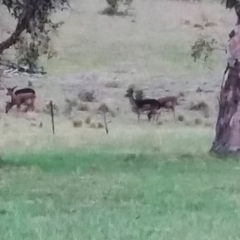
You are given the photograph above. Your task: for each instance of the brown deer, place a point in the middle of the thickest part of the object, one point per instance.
(22, 96)
(149, 105)
(169, 103)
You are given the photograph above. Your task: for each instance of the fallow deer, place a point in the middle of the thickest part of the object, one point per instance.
(21, 96)
(169, 103)
(150, 105)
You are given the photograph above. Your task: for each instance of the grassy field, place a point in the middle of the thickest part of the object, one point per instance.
(142, 180)
(126, 190)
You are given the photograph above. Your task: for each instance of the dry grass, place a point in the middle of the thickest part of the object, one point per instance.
(112, 84)
(92, 125)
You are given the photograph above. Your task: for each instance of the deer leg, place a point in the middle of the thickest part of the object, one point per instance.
(151, 115)
(33, 105)
(155, 116)
(18, 108)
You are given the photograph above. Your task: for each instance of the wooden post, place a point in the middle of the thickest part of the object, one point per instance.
(105, 121)
(52, 115)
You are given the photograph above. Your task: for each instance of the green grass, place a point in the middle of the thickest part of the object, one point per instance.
(103, 193)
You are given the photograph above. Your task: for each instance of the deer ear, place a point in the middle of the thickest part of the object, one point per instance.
(14, 88)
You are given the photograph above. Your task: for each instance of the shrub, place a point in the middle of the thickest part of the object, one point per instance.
(86, 96)
(99, 125)
(198, 121)
(77, 123)
(88, 120)
(82, 107)
(181, 118)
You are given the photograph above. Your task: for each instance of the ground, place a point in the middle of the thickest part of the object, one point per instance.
(142, 180)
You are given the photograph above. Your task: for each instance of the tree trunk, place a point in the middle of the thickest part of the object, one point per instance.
(227, 138)
(10, 41)
(22, 25)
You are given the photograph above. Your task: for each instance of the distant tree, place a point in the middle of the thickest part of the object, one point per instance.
(32, 33)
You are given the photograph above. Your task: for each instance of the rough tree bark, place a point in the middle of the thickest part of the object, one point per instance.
(227, 138)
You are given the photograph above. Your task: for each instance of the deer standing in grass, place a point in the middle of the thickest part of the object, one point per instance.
(24, 96)
(138, 106)
(169, 103)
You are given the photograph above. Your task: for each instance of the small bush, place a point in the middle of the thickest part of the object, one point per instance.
(77, 123)
(86, 96)
(181, 118)
(30, 84)
(181, 94)
(99, 125)
(199, 90)
(187, 22)
(104, 108)
(198, 26)
(88, 120)
(210, 24)
(109, 11)
(197, 121)
(206, 114)
(83, 107)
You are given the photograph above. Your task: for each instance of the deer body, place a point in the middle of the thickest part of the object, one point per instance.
(168, 102)
(24, 90)
(22, 96)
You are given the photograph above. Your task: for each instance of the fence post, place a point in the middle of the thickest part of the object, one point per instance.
(52, 115)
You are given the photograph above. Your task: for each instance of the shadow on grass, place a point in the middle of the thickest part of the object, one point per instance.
(101, 160)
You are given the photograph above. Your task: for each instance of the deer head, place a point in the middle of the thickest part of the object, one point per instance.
(129, 92)
(10, 91)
